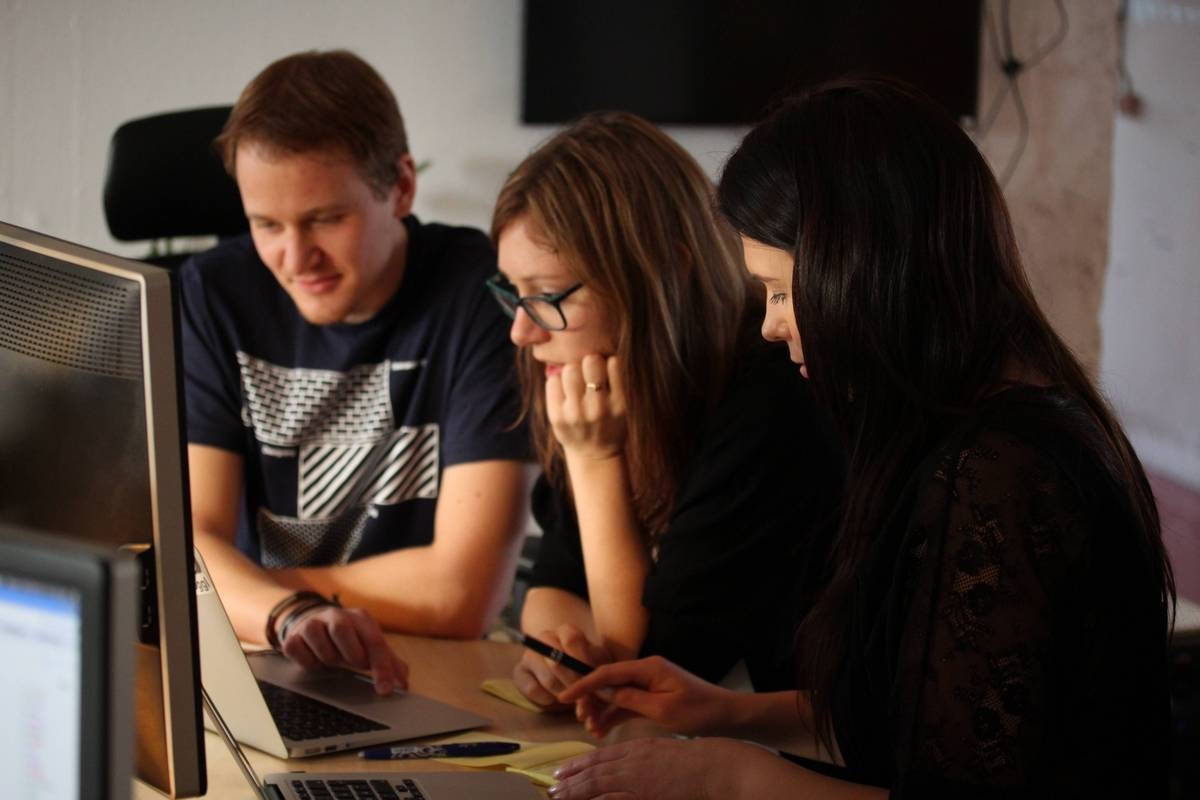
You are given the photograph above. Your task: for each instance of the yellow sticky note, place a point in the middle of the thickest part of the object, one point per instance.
(557, 753)
(506, 690)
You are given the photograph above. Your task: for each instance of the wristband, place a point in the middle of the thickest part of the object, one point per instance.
(302, 608)
(292, 599)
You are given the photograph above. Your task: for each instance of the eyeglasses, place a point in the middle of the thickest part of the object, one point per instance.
(544, 309)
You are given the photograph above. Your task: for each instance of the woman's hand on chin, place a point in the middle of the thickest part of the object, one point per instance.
(586, 407)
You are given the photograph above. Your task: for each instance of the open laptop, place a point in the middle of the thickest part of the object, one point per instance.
(274, 705)
(462, 785)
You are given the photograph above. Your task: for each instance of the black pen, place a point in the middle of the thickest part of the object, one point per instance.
(552, 653)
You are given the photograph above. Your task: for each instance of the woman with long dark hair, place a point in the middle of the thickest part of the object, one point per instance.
(996, 611)
(645, 381)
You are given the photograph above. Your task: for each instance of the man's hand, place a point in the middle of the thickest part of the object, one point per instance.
(348, 638)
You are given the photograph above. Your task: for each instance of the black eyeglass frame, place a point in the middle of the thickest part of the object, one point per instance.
(510, 301)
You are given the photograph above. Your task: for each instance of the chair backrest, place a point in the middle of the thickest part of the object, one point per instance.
(165, 180)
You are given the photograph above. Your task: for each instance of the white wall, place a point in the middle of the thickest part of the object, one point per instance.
(1151, 310)
(71, 71)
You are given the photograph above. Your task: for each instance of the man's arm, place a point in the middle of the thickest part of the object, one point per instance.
(455, 586)
(248, 591)
(452, 587)
(329, 635)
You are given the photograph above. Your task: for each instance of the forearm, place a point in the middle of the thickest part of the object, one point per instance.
(751, 773)
(766, 711)
(547, 607)
(782, 720)
(418, 589)
(248, 592)
(614, 552)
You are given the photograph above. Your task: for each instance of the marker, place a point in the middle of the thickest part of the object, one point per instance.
(459, 750)
(552, 653)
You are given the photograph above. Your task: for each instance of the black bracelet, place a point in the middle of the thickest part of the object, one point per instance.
(284, 604)
(300, 609)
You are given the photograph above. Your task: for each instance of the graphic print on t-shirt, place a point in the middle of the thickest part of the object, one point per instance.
(350, 455)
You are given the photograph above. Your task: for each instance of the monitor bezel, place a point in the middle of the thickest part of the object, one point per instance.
(174, 567)
(105, 581)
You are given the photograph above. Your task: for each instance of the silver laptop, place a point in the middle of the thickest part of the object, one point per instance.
(462, 785)
(273, 705)
(474, 785)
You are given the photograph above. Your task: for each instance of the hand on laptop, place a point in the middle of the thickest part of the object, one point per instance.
(349, 638)
(540, 679)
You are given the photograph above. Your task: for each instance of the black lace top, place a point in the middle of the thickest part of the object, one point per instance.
(1007, 638)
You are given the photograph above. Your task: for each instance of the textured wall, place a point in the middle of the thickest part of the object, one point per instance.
(1059, 193)
(1151, 313)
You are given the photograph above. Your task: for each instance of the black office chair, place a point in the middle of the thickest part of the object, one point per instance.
(165, 180)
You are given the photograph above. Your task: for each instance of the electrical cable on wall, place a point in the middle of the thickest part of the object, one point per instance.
(1012, 68)
(1129, 102)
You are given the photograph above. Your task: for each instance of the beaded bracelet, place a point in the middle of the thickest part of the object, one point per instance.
(284, 604)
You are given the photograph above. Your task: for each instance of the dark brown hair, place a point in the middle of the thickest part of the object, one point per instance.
(321, 101)
(911, 301)
(630, 214)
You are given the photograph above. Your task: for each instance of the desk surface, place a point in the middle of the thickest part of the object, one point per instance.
(450, 671)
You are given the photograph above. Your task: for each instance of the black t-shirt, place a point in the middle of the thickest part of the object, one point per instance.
(345, 429)
(1005, 637)
(744, 539)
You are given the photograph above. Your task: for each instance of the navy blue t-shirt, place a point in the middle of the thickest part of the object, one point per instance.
(345, 429)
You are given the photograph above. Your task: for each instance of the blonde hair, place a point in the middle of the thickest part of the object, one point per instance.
(630, 214)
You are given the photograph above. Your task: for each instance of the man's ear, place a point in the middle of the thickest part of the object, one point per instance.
(406, 185)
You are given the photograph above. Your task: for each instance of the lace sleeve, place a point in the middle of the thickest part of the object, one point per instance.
(991, 549)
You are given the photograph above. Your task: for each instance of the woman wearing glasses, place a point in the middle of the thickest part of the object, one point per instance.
(667, 430)
(995, 622)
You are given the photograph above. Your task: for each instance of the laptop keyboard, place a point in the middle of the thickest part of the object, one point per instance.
(315, 789)
(300, 717)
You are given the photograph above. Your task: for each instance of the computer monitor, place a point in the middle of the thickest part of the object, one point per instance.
(67, 628)
(92, 446)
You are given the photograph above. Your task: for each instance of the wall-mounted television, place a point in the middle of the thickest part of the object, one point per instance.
(722, 62)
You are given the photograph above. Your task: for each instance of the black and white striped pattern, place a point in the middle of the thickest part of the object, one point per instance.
(350, 455)
(336, 477)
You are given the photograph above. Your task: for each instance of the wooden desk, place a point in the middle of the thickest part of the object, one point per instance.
(450, 671)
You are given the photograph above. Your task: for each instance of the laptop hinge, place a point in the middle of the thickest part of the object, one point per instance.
(236, 750)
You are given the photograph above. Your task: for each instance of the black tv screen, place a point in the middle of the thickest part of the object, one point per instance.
(723, 62)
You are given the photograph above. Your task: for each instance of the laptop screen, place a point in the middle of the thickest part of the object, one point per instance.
(40, 688)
